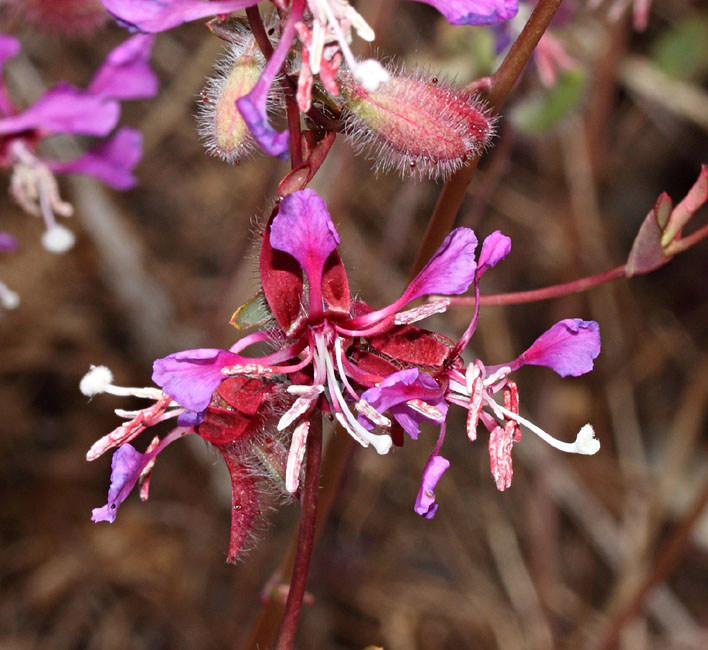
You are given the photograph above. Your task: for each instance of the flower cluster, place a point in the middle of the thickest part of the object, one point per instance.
(376, 372)
(65, 109)
(318, 33)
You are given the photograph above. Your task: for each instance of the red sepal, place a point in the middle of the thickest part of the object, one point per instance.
(244, 503)
(282, 280)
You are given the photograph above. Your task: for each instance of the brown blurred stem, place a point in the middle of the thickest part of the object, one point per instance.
(306, 537)
(501, 83)
(665, 563)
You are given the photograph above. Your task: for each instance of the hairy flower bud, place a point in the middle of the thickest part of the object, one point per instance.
(416, 123)
(223, 130)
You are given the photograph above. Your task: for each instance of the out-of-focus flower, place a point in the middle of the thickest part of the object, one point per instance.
(68, 17)
(475, 12)
(9, 299)
(65, 109)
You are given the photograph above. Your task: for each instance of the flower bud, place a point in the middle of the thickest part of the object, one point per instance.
(223, 130)
(415, 123)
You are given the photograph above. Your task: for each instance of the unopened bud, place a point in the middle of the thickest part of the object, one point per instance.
(223, 130)
(416, 123)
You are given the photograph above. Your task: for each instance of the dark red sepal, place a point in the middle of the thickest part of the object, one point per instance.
(282, 280)
(335, 285)
(245, 508)
(411, 344)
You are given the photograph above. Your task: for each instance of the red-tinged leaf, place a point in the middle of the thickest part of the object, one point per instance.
(410, 344)
(680, 215)
(335, 286)
(244, 504)
(282, 280)
(647, 252)
(299, 177)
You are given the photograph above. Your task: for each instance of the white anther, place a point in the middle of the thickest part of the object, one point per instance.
(496, 376)
(372, 414)
(419, 313)
(58, 239)
(471, 376)
(295, 456)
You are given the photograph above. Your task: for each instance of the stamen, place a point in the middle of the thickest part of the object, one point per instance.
(471, 375)
(297, 453)
(585, 442)
(419, 313)
(428, 410)
(300, 406)
(497, 376)
(381, 442)
(372, 414)
(255, 369)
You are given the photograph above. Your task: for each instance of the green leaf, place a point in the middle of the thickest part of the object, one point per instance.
(682, 50)
(255, 312)
(542, 112)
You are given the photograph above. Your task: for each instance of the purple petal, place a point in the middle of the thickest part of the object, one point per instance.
(393, 393)
(568, 347)
(111, 161)
(303, 228)
(495, 248)
(65, 109)
(190, 418)
(425, 504)
(126, 466)
(126, 72)
(7, 242)
(160, 15)
(254, 114)
(9, 47)
(450, 270)
(192, 376)
(475, 12)
(253, 106)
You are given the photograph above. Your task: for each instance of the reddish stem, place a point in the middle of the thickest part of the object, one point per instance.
(555, 291)
(502, 82)
(680, 245)
(306, 538)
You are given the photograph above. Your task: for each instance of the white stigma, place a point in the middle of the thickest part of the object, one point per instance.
(585, 442)
(9, 299)
(58, 239)
(371, 74)
(96, 381)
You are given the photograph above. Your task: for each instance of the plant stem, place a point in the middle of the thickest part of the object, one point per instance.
(502, 82)
(554, 291)
(306, 538)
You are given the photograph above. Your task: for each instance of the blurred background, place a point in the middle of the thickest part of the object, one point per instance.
(559, 559)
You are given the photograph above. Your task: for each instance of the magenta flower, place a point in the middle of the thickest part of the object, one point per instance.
(475, 12)
(64, 109)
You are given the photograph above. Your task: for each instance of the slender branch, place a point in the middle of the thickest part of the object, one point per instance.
(306, 538)
(683, 244)
(665, 563)
(555, 291)
(503, 80)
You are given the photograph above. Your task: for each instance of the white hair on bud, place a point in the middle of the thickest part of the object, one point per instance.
(96, 381)
(58, 239)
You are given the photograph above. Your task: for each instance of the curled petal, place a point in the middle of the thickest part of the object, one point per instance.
(126, 72)
(394, 393)
(254, 114)
(65, 109)
(425, 504)
(111, 161)
(160, 15)
(569, 348)
(495, 248)
(475, 12)
(192, 376)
